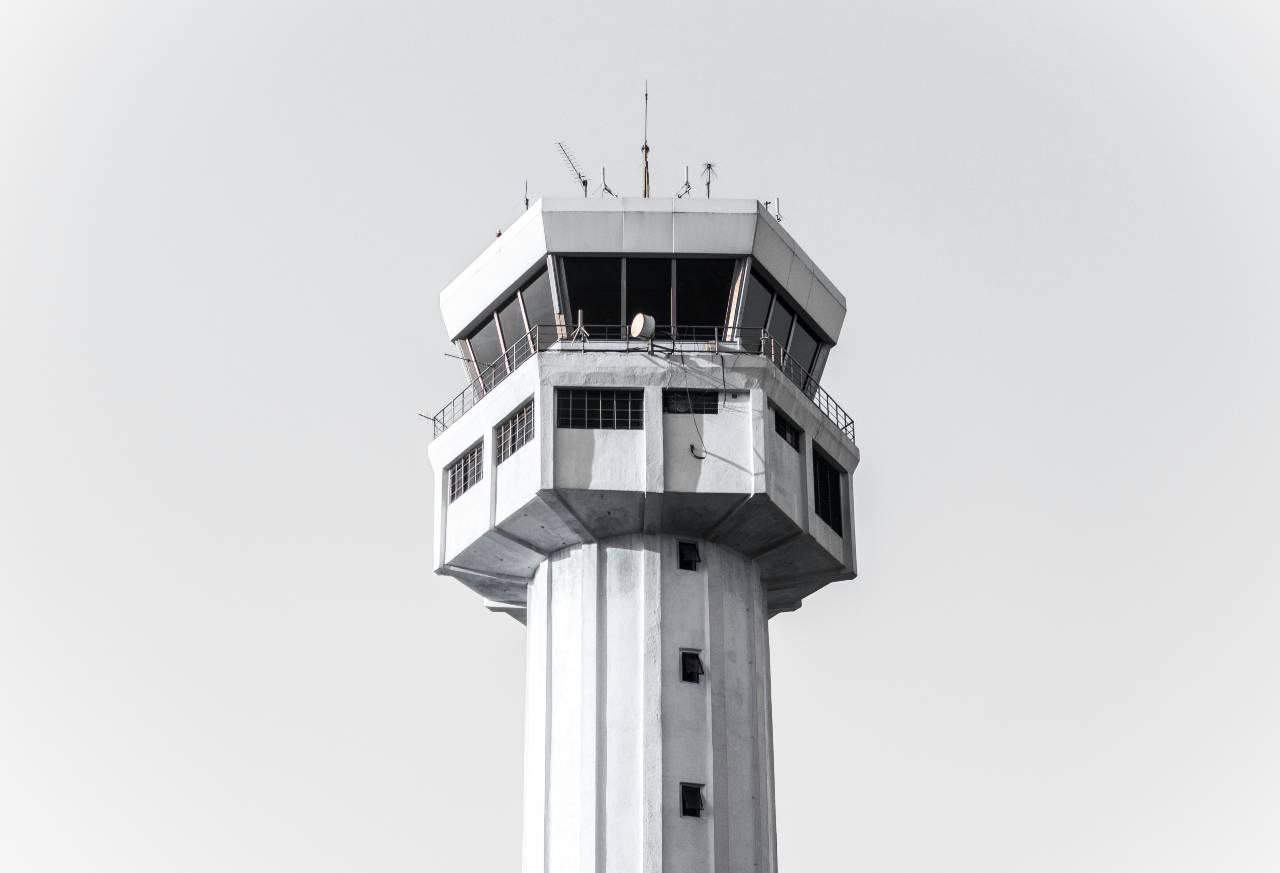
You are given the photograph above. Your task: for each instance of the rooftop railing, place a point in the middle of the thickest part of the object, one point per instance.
(681, 339)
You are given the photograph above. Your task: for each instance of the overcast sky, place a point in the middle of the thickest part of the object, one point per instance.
(223, 232)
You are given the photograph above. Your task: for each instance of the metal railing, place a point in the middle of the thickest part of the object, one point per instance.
(680, 339)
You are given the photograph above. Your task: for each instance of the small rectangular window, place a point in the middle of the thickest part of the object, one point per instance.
(689, 556)
(785, 429)
(514, 432)
(689, 401)
(691, 800)
(826, 492)
(690, 667)
(600, 408)
(466, 471)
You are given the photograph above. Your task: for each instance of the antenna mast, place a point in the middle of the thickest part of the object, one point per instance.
(709, 173)
(644, 149)
(573, 166)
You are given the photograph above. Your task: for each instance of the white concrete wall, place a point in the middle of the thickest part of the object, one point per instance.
(725, 440)
(612, 730)
(606, 460)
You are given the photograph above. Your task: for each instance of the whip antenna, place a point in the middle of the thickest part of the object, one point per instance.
(644, 149)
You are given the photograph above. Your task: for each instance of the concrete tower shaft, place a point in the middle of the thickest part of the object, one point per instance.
(644, 506)
(614, 729)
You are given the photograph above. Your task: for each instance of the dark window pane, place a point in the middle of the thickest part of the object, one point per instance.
(826, 492)
(780, 327)
(538, 308)
(785, 429)
(702, 295)
(649, 290)
(755, 309)
(512, 323)
(600, 408)
(484, 344)
(595, 287)
(691, 667)
(804, 346)
(689, 401)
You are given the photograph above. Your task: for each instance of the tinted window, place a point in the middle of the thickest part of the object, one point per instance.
(649, 288)
(780, 323)
(826, 492)
(755, 309)
(702, 294)
(538, 308)
(484, 344)
(804, 346)
(512, 323)
(595, 287)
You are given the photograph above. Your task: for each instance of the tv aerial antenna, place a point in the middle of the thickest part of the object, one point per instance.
(686, 187)
(604, 185)
(708, 173)
(572, 166)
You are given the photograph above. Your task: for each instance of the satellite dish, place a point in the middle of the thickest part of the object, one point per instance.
(642, 326)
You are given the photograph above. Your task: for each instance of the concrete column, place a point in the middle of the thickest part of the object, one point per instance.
(613, 730)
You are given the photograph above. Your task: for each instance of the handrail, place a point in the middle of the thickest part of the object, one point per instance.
(690, 339)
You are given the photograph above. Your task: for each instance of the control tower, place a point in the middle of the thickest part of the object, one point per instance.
(644, 469)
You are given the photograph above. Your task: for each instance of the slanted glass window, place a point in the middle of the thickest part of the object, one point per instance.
(485, 348)
(465, 471)
(755, 312)
(512, 323)
(514, 432)
(539, 309)
(688, 401)
(780, 324)
(786, 429)
(826, 491)
(600, 408)
(594, 285)
(702, 295)
(804, 347)
(649, 290)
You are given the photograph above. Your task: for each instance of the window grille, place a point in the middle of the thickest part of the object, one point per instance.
(826, 492)
(785, 429)
(514, 432)
(465, 472)
(600, 408)
(685, 400)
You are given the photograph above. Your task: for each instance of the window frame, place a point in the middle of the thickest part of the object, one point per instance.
(634, 412)
(833, 503)
(472, 459)
(522, 432)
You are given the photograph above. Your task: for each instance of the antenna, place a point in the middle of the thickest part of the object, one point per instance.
(573, 166)
(777, 210)
(526, 193)
(685, 188)
(604, 185)
(709, 173)
(644, 149)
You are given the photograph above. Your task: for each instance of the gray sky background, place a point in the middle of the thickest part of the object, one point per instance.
(223, 231)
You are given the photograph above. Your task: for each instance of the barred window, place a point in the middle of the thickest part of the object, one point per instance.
(514, 432)
(600, 408)
(785, 429)
(465, 472)
(826, 492)
(685, 400)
